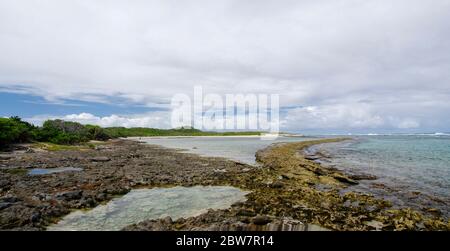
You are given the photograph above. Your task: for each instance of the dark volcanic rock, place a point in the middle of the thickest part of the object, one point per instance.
(10, 199)
(276, 184)
(100, 159)
(345, 179)
(311, 157)
(363, 177)
(4, 205)
(122, 165)
(29, 150)
(260, 220)
(34, 202)
(245, 212)
(221, 220)
(71, 195)
(16, 216)
(101, 196)
(35, 217)
(87, 203)
(167, 220)
(5, 157)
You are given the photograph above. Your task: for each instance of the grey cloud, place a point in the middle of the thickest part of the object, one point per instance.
(313, 53)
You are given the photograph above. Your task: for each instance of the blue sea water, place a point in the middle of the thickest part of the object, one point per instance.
(43, 171)
(414, 168)
(241, 149)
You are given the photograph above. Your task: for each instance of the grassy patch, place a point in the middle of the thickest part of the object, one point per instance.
(17, 171)
(56, 147)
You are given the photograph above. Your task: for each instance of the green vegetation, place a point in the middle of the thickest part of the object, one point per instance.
(14, 130)
(58, 132)
(17, 171)
(57, 147)
(116, 132)
(62, 132)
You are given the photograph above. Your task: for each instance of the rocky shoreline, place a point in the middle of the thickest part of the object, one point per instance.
(289, 192)
(399, 194)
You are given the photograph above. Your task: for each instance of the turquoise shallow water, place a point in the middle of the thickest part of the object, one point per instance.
(143, 204)
(240, 149)
(412, 170)
(416, 168)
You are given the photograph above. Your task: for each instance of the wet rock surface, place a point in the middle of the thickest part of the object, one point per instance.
(363, 177)
(33, 202)
(100, 159)
(284, 191)
(224, 220)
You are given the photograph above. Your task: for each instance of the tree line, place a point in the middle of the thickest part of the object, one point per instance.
(15, 130)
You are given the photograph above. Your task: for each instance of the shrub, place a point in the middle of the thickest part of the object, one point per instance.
(63, 132)
(14, 130)
(97, 133)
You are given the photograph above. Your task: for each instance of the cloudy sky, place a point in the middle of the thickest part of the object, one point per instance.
(338, 65)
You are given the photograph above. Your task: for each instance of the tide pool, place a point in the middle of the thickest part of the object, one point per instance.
(143, 204)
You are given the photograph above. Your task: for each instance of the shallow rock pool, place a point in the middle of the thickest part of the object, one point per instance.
(42, 171)
(144, 204)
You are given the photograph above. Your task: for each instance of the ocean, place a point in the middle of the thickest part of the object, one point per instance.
(411, 170)
(241, 149)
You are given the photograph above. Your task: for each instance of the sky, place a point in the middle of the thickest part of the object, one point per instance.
(347, 66)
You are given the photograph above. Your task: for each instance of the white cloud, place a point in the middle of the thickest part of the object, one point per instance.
(345, 117)
(334, 116)
(313, 53)
(407, 123)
